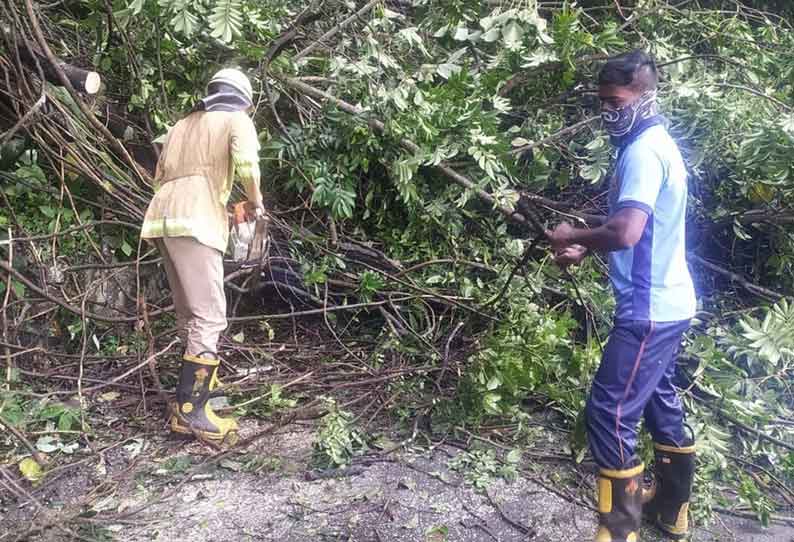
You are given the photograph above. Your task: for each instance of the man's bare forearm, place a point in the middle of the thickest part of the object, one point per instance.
(605, 238)
(623, 230)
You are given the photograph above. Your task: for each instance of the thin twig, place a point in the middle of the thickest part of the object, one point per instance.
(527, 531)
(445, 362)
(751, 515)
(744, 427)
(4, 314)
(8, 134)
(267, 394)
(37, 456)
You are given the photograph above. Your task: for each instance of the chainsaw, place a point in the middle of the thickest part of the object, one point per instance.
(250, 239)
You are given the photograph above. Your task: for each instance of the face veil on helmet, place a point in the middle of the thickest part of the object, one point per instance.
(235, 79)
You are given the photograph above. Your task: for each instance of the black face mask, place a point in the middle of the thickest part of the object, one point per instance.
(620, 122)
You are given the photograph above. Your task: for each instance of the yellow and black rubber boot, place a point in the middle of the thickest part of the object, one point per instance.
(620, 504)
(217, 388)
(668, 498)
(192, 413)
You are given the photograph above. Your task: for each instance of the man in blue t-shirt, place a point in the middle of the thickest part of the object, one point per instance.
(644, 236)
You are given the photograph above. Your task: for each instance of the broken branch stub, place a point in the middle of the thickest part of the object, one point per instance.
(86, 81)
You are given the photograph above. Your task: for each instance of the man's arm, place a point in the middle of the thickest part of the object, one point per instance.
(623, 230)
(245, 154)
(641, 179)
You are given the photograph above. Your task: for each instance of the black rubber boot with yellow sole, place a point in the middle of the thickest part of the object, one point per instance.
(668, 498)
(620, 505)
(192, 413)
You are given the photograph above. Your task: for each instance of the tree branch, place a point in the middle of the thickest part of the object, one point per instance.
(572, 129)
(309, 15)
(735, 277)
(335, 30)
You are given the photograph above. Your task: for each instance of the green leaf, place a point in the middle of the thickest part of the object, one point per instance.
(226, 20)
(441, 32)
(515, 248)
(447, 70)
(12, 410)
(53, 410)
(437, 533)
(184, 21)
(512, 33)
(136, 6)
(67, 420)
(493, 383)
(315, 276)
(491, 403)
(514, 456)
(126, 248)
(592, 172)
(18, 288)
(787, 123)
(492, 35)
(176, 465)
(47, 444)
(596, 144)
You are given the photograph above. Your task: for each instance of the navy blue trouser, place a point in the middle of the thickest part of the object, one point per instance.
(635, 378)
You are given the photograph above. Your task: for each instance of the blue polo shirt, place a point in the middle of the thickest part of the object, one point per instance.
(651, 280)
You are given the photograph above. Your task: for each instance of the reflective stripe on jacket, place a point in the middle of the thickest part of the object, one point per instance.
(194, 177)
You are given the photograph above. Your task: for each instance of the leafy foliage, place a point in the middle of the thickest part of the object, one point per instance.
(770, 340)
(338, 440)
(531, 352)
(479, 467)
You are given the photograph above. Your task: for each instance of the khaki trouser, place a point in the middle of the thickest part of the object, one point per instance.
(195, 274)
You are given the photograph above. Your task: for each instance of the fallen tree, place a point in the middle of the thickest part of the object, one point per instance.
(416, 154)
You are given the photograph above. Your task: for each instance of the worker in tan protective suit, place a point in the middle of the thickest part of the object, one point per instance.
(187, 221)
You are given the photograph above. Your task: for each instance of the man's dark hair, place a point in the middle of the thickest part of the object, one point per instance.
(635, 69)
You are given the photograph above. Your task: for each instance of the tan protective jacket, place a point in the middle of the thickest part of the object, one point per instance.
(194, 177)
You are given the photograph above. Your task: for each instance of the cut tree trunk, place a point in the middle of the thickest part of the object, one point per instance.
(82, 80)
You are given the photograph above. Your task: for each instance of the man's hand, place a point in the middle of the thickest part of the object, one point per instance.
(572, 255)
(247, 211)
(253, 210)
(560, 238)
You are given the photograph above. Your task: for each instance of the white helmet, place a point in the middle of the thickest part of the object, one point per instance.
(236, 79)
